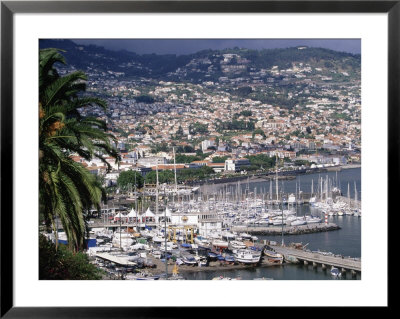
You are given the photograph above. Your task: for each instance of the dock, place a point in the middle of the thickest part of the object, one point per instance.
(287, 230)
(316, 259)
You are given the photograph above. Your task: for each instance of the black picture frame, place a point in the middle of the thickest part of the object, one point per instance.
(9, 8)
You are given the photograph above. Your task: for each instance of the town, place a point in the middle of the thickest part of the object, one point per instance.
(304, 114)
(199, 158)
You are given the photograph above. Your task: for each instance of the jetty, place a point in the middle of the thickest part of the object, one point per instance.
(287, 230)
(316, 259)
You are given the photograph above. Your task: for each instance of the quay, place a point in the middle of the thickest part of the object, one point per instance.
(316, 259)
(255, 230)
(287, 230)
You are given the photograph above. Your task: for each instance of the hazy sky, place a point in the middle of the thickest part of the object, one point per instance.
(179, 46)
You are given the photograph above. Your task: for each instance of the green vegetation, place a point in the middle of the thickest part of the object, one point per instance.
(63, 264)
(163, 177)
(128, 179)
(243, 91)
(219, 159)
(258, 131)
(235, 125)
(163, 147)
(198, 128)
(185, 149)
(144, 99)
(261, 160)
(185, 159)
(66, 188)
(191, 174)
(342, 116)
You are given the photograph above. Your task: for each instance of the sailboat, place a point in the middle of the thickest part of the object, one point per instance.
(349, 211)
(357, 211)
(312, 198)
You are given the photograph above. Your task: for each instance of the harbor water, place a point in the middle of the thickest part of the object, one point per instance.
(346, 241)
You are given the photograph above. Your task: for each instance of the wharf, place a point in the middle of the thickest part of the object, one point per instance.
(306, 257)
(213, 266)
(287, 230)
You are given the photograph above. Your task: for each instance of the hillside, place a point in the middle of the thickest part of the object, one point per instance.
(207, 65)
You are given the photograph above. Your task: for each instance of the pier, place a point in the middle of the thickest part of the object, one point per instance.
(287, 230)
(317, 259)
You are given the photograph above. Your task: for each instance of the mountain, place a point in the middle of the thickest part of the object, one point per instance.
(206, 65)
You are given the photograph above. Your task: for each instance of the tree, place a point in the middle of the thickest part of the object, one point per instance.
(66, 188)
(163, 177)
(128, 179)
(219, 159)
(56, 264)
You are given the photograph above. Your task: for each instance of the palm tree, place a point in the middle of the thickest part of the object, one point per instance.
(66, 188)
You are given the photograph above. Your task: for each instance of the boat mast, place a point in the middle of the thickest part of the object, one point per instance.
(157, 189)
(355, 195)
(276, 178)
(312, 187)
(136, 206)
(176, 183)
(348, 194)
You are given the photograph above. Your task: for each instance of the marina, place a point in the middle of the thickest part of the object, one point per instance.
(241, 231)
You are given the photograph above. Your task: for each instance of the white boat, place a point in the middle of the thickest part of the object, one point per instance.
(220, 243)
(158, 239)
(313, 219)
(245, 235)
(199, 240)
(236, 244)
(188, 259)
(278, 222)
(248, 256)
(228, 235)
(335, 272)
(298, 222)
(272, 256)
(170, 246)
(122, 240)
(141, 276)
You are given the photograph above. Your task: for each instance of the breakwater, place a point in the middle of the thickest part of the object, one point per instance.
(287, 230)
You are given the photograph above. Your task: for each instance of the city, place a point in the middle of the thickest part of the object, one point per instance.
(216, 143)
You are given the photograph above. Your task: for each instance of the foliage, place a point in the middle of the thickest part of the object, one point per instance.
(198, 128)
(66, 188)
(128, 179)
(219, 159)
(163, 147)
(261, 160)
(144, 99)
(185, 149)
(184, 159)
(244, 91)
(258, 131)
(191, 174)
(63, 264)
(236, 125)
(163, 177)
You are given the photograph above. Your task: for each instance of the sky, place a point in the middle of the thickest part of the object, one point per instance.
(187, 46)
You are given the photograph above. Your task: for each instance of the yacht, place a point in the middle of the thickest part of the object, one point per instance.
(220, 243)
(298, 222)
(236, 244)
(248, 256)
(335, 272)
(122, 240)
(273, 256)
